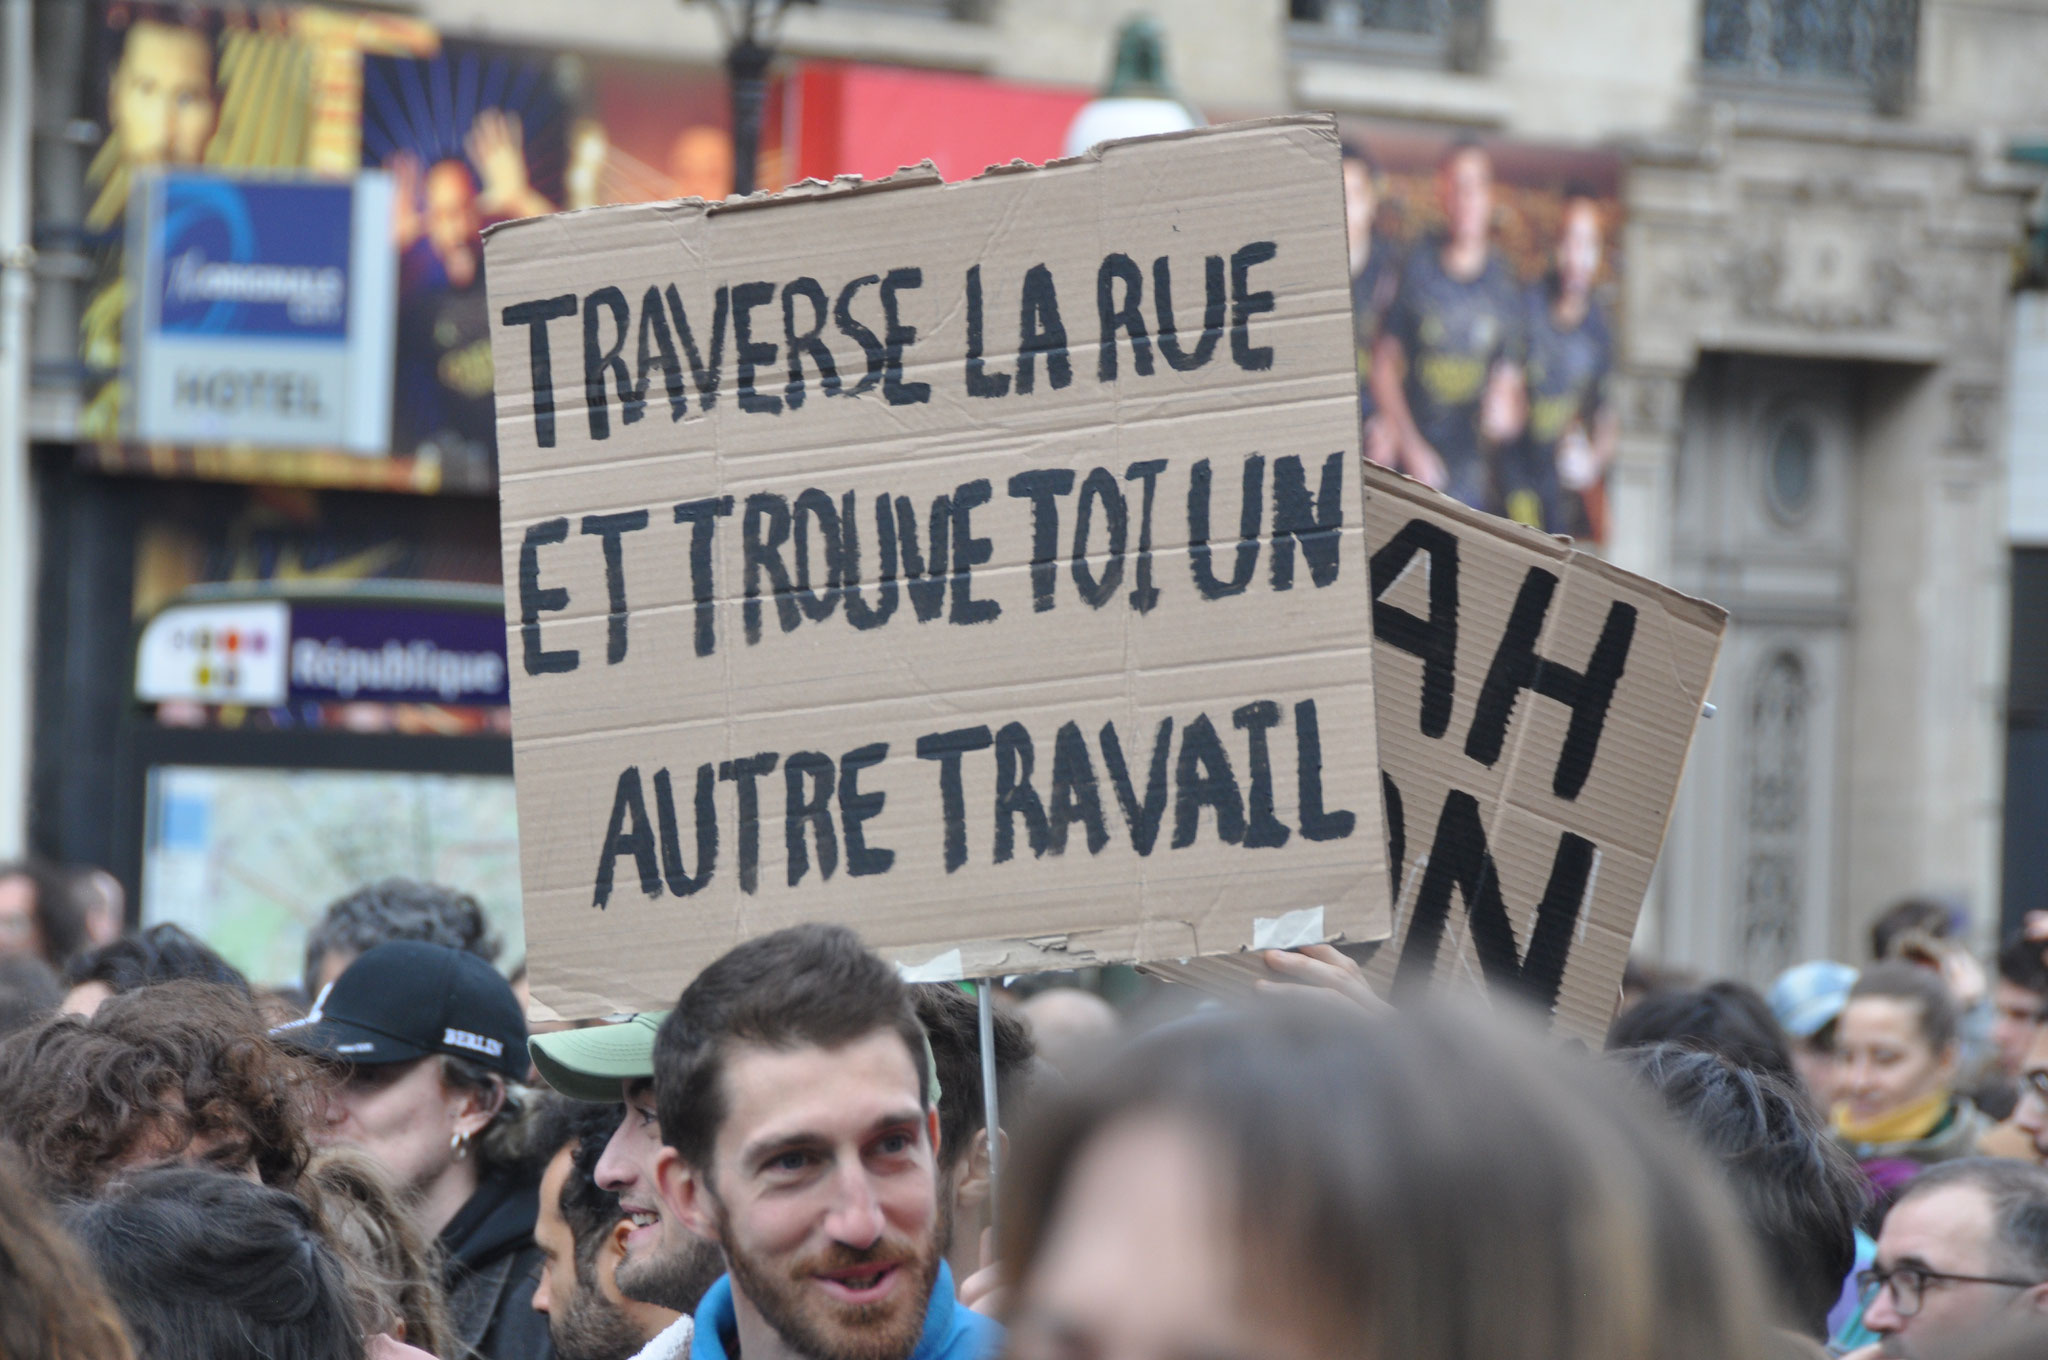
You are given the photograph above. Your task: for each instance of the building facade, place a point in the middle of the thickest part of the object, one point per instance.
(1811, 370)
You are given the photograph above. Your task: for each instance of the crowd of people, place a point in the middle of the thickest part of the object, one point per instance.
(796, 1163)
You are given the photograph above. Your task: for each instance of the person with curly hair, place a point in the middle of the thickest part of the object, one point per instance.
(182, 1072)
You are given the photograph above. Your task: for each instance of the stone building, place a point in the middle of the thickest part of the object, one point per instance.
(1819, 261)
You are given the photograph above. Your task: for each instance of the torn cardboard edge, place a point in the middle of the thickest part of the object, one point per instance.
(923, 175)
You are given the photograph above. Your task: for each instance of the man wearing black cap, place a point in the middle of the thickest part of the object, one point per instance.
(430, 1039)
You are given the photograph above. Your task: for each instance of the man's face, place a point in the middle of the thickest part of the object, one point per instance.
(20, 932)
(1951, 1231)
(1467, 184)
(2031, 1114)
(161, 103)
(452, 220)
(665, 1263)
(823, 1192)
(2018, 1016)
(1578, 247)
(584, 1323)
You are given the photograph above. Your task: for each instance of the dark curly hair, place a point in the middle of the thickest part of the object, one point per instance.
(171, 1063)
(398, 909)
(157, 954)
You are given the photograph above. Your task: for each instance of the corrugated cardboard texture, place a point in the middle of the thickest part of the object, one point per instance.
(642, 672)
(1570, 825)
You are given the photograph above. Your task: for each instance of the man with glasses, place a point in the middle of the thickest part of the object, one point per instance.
(2030, 1114)
(1965, 1248)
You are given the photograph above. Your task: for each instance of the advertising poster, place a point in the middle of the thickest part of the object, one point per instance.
(1483, 281)
(260, 89)
(468, 134)
(262, 310)
(477, 134)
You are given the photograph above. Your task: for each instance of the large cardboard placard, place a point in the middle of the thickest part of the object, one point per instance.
(977, 564)
(1536, 705)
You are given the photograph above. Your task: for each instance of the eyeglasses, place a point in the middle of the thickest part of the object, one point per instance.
(1909, 1283)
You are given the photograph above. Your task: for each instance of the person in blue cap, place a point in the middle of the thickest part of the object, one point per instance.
(1807, 1001)
(800, 1132)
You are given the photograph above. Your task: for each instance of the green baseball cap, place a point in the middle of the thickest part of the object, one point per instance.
(588, 1064)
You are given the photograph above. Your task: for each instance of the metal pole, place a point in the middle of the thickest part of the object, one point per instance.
(17, 510)
(746, 68)
(987, 1018)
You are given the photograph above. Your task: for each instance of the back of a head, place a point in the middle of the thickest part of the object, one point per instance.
(52, 1304)
(160, 953)
(1800, 1193)
(1070, 1027)
(952, 1021)
(1912, 916)
(387, 1259)
(1728, 1018)
(210, 1267)
(398, 909)
(2018, 1192)
(1920, 988)
(29, 991)
(163, 1066)
(1516, 1202)
(2024, 963)
(807, 986)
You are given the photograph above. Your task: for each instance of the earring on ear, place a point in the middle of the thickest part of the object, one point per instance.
(458, 1144)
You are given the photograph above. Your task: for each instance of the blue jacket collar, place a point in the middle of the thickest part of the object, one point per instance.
(950, 1331)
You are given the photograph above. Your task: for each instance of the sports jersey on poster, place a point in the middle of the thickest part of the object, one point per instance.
(1566, 372)
(1453, 332)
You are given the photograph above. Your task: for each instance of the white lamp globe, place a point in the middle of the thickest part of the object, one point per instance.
(1139, 101)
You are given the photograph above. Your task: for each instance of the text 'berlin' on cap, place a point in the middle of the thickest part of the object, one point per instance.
(409, 999)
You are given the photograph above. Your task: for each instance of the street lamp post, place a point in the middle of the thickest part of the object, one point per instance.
(1139, 100)
(750, 28)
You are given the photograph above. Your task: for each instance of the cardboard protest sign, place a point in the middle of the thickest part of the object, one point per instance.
(1535, 709)
(976, 564)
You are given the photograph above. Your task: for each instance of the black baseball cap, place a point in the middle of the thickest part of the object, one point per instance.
(409, 999)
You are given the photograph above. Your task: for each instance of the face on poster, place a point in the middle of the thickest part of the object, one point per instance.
(475, 133)
(1483, 276)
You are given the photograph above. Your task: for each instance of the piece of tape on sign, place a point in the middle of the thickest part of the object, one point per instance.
(942, 968)
(1290, 931)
